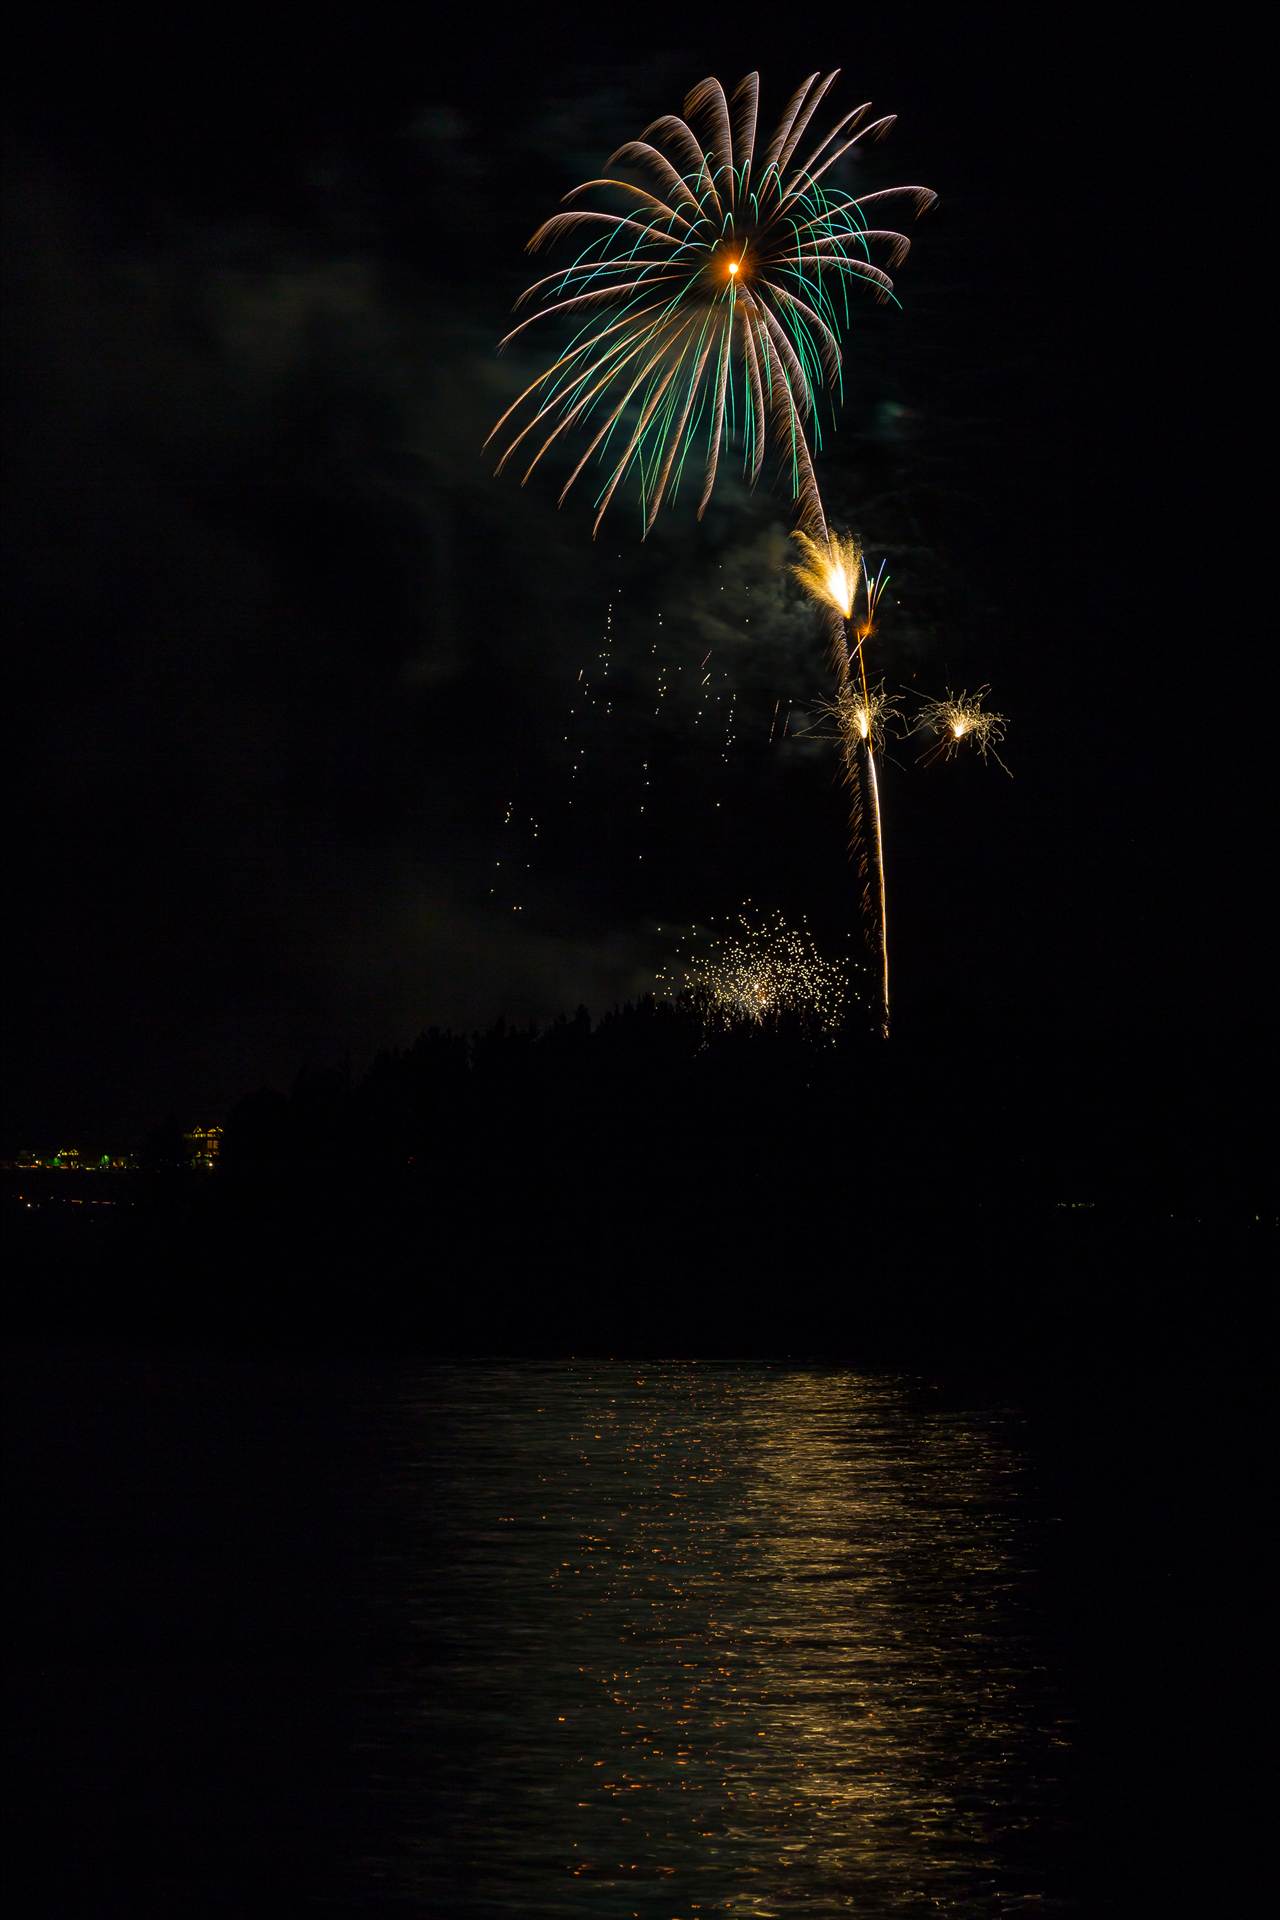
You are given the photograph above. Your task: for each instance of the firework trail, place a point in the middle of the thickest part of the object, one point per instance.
(714, 297)
(830, 571)
(957, 718)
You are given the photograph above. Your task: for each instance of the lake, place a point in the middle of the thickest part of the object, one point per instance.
(705, 1639)
(570, 1638)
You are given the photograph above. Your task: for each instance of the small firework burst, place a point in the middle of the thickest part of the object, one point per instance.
(760, 972)
(854, 717)
(961, 718)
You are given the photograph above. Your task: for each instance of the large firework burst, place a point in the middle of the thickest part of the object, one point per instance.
(715, 299)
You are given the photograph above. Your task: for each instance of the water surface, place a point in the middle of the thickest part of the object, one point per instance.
(687, 1639)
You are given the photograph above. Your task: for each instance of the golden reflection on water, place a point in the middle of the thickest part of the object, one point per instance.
(690, 1640)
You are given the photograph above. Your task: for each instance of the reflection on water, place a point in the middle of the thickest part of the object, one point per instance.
(679, 1640)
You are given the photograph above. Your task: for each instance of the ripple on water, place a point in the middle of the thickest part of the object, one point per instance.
(687, 1639)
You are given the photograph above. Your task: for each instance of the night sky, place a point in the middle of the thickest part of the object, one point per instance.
(283, 652)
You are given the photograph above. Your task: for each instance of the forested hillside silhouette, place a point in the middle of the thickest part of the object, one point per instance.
(645, 1179)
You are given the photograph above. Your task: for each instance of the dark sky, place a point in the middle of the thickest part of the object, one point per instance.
(284, 652)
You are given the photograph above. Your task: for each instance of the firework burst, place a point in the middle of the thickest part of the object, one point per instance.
(761, 972)
(855, 719)
(711, 297)
(959, 720)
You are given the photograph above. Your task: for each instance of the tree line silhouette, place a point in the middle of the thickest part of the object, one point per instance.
(646, 1176)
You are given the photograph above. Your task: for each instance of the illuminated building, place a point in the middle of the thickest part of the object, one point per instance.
(203, 1147)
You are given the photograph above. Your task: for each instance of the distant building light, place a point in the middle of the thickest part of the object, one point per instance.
(203, 1145)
